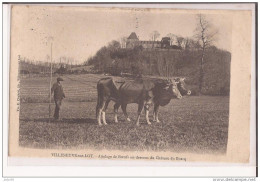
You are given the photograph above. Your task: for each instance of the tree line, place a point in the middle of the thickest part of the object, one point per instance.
(63, 64)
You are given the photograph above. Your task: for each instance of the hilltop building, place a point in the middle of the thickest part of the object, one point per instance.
(133, 41)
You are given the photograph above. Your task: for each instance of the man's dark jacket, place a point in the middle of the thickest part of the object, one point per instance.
(58, 91)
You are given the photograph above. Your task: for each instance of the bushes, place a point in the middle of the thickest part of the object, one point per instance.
(217, 72)
(168, 62)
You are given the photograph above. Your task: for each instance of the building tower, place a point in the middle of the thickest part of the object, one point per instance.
(132, 40)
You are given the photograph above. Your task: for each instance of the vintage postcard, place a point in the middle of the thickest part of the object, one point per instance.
(132, 83)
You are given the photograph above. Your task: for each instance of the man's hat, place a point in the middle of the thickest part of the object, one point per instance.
(59, 79)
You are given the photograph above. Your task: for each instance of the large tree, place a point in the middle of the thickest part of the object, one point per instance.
(205, 34)
(172, 38)
(123, 41)
(180, 41)
(154, 35)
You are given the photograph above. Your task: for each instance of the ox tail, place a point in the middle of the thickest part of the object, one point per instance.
(99, 98)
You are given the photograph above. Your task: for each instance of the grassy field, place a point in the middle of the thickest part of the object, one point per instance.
(76, 87)
(196, 124)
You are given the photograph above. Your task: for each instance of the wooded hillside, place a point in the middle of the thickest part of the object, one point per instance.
(169, 63)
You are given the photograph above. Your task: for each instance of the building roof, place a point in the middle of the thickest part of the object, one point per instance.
(133, 36)
(166, 38)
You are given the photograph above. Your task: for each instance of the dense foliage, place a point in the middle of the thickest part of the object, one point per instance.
(168, 62)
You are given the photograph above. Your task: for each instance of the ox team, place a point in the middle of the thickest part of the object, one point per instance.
(143, 92)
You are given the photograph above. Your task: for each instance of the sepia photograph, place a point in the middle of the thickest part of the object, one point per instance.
(130, 83)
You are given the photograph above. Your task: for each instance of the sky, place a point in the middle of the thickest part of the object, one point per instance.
(78, 32)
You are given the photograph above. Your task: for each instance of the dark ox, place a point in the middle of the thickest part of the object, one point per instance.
(141, 91)
(182, 86)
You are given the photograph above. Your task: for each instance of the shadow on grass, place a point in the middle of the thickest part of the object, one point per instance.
(91, 121)
(67, 120)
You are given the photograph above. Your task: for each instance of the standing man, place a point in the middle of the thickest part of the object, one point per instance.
(58, 96)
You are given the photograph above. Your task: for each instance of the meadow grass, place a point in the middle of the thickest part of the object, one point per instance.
(196, 124)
